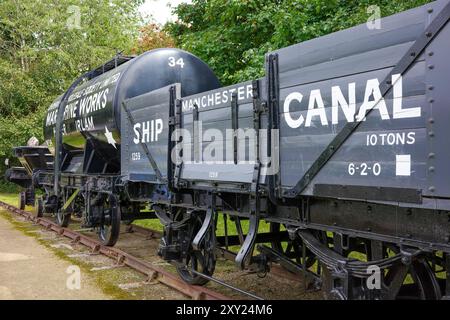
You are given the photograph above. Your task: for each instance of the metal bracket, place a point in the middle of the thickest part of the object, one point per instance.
(305, 211)
(234, 111)
(170, 143)
(249, 243)
(273, 87)
(259, 106)
(257, 126)
(207, 223)
(447, 273)
(178, 125)
(235, 125)
(401, 67)
(197, 139)
(70, 200)
(376, 248)
(340, 288)
(288, 264)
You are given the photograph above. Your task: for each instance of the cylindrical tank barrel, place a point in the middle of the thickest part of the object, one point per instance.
(93, 109)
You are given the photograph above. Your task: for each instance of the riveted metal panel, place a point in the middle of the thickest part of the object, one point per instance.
(215, 113)
(395, 146)
(149, 126)
(437, 123)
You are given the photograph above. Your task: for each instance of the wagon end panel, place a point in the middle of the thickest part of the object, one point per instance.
(353, 127)
(220, 142)
(145, 135)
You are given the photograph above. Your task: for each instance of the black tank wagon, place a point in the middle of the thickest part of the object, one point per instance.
(83, 138)
(341, 148)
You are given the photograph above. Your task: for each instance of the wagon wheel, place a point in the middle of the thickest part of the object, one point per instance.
(203, 260)
(22, 200)
(414, 282)
(292, 248)
(38, 211)
(109, 228)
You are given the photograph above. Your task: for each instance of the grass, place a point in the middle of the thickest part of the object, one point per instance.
(154, 224)
(10, 198)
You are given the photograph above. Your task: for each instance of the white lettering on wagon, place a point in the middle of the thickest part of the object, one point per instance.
(82, 104)
(148, 131)
(217, 98)
(373, 99)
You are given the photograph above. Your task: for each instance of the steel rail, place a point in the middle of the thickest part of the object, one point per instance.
(150, 233)
(251, 295)
(152, 272)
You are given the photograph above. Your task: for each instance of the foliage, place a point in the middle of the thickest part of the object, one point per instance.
(44, 46)
(8, 187)
(232, 36)
(152, 37)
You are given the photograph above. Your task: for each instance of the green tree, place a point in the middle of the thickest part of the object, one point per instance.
(44, 46)
(232, 36)
(152, 37)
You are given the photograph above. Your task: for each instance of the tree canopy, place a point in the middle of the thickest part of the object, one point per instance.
(44, 46)
(152, 37)
(232, 36)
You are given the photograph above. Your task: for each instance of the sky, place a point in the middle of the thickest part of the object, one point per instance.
(160, 10)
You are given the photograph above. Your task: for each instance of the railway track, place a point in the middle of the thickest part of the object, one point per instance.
(151, 271)
(133, 257)
(275, 269)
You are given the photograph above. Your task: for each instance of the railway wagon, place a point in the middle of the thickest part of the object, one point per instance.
(341, 147)
(78, 167)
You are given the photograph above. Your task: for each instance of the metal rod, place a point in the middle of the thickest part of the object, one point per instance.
(225, 224)
(229, 286)
(237, 221)
(447, 273)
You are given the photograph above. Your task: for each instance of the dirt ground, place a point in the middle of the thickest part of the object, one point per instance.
(28, 270)
(34, 262)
